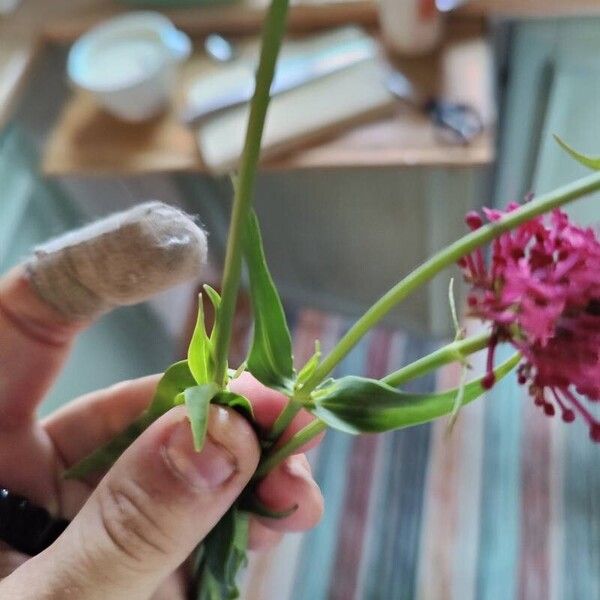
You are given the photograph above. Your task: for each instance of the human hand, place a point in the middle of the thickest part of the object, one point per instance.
(132, 529)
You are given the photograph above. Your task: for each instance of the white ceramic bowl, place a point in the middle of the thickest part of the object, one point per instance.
(129, 63)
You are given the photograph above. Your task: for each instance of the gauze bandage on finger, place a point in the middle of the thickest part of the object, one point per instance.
(122, 259)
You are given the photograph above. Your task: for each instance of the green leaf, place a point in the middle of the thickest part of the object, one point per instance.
(213, 296)
(356, 404)
(270, 357)
(173, 382)
(197, 401)
(240, 403)
(309, 368)
(200, 351)
(234, 374)
(104, 457)
(223, 554)
(591, 162)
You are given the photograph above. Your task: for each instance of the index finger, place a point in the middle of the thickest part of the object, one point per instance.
(122, 259)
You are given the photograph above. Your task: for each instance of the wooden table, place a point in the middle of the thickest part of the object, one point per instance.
(406, 139)
(25, 32)
(87, 140)
(35, 22)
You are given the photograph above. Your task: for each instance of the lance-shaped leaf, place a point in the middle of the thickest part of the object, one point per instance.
(356, 404)
(174, 381)
(214, 298)
(240, 403)
(270, 357)
(200, 351)
(591, 162)
(309, 368)
(222, 554)
(197, 401)
(235, 373)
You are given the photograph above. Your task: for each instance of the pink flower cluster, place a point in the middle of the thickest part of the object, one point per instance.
(541, 292)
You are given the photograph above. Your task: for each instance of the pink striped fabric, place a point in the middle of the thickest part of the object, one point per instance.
(505, 507)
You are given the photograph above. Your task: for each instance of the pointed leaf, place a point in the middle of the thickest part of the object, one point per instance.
(215, 300)
(213, 296)
(356, 404)
(270, 358)
(197, 401)
(235, 374)
(104, 457)
(223, 554)
(240, 403)
(459, 332)
(199, 350)
(591, 162)
(309, 368)
(174, 381)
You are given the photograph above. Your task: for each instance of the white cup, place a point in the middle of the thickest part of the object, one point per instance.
(129, 63)
(410, 27)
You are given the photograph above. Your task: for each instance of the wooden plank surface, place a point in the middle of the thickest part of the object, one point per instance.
(86, 140)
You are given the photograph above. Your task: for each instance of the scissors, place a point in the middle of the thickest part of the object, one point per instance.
(456, 123)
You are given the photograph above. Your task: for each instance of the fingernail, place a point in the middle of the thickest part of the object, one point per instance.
(297, 466)
(207, 470)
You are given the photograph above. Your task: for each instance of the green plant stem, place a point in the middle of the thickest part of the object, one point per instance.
(272, 459)
(271, 41)
(443, 259)
(294, 405)
(292, 408)
(455, 351)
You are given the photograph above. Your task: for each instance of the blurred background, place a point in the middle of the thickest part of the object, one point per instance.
(389, 120)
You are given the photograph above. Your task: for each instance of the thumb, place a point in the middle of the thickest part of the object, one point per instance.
(149, 512)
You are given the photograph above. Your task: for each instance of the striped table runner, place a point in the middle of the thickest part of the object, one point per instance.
(506, 506)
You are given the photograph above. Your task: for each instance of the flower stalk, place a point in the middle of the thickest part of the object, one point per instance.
(271, 42)
(444, 258)
(455, 352)
(292, 408)
(274, 458)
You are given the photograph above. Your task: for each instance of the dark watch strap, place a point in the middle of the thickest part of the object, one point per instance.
(25, 526)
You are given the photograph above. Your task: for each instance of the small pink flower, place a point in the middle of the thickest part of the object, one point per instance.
(541, 292)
